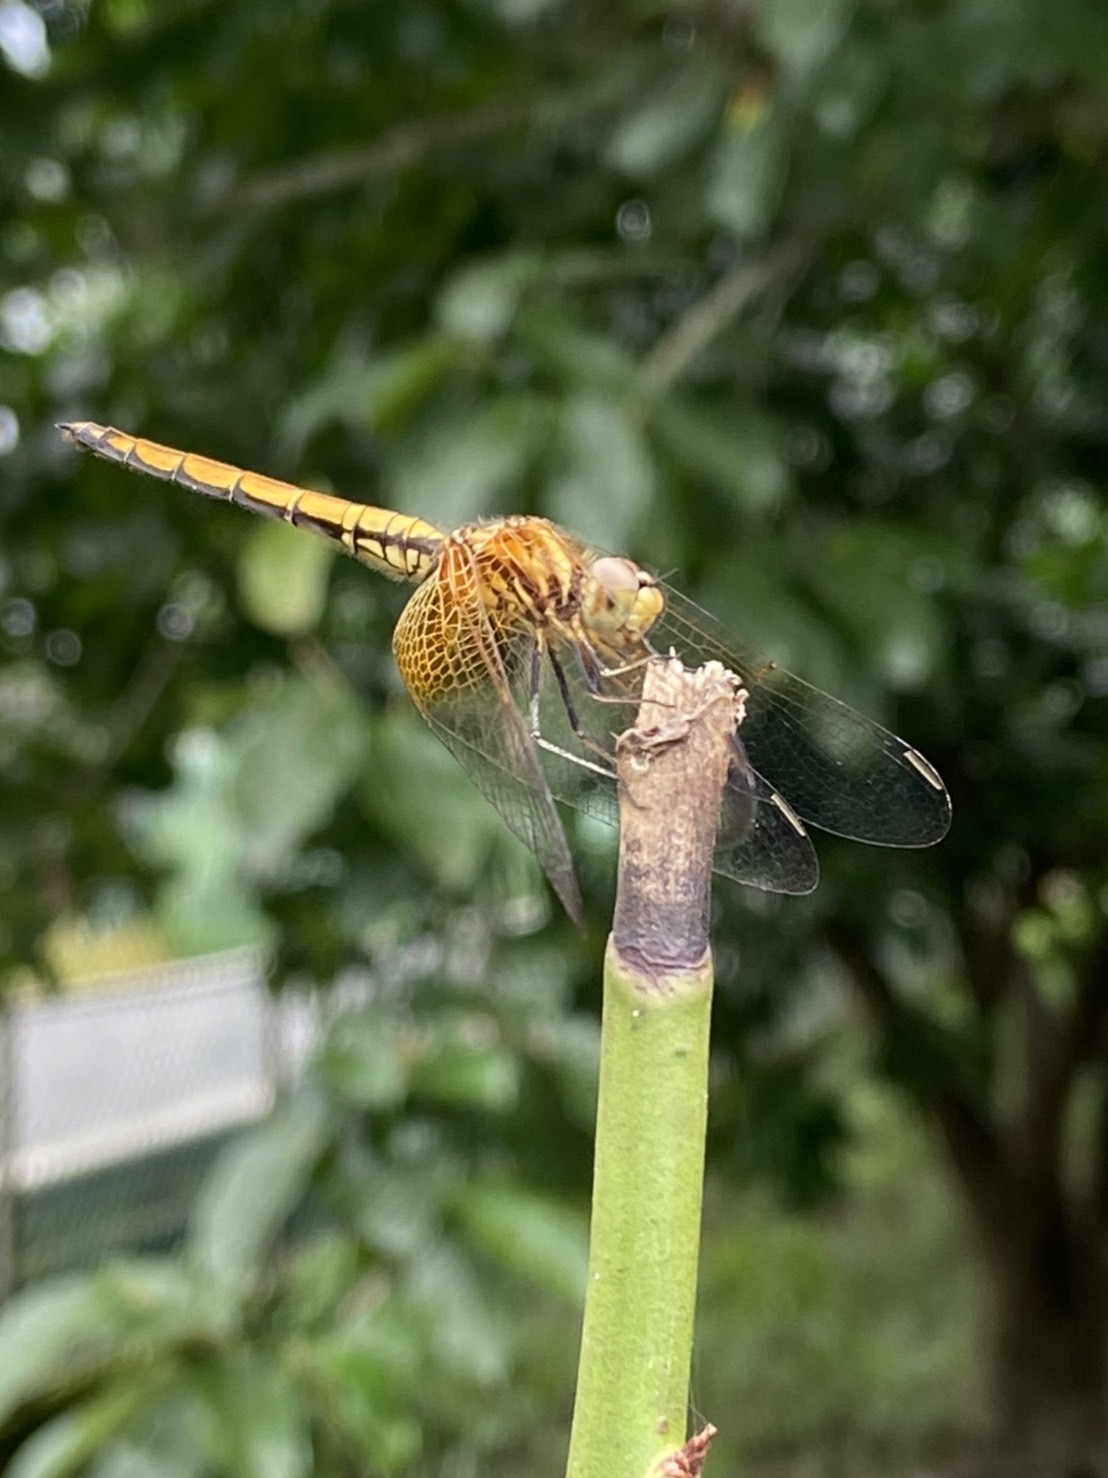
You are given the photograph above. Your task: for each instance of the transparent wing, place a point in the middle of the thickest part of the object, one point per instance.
(802, 755)
(760, 841)
(475, 715)
(836, 769)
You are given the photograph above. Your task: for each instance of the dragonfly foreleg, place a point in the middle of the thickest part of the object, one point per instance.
(626, 667)
(593, 673)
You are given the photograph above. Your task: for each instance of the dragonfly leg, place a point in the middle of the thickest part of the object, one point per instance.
(593, 673)
(571, 716)
(574, 759)
(534, 680)
(567, 698)
(627, 667)
(589, 668)
(537, 653)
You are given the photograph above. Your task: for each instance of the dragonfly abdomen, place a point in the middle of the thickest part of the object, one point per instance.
(397, 544)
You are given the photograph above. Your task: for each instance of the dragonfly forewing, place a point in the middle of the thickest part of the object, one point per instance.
(836, 769)
(760, 841)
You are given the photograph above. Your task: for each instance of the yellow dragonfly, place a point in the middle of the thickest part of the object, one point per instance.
(524, 650)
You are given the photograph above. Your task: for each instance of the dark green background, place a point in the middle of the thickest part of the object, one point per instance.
(803, 305)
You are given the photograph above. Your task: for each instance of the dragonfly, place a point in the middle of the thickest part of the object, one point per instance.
(524, 650)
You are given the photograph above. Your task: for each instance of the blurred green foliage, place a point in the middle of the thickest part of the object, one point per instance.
(417, 1314)
(802, 305)
(374, 1323)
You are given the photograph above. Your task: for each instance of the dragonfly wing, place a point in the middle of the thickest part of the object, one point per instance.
(475, 715)
(760, 841)
(836, 769)
(501, 769)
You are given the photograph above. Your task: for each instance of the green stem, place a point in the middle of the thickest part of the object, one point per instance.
(632, 1390)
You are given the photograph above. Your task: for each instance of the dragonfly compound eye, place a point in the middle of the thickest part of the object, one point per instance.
(620, 599)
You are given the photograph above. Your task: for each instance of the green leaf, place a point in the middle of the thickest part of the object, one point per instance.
(533, 1235)
(479, 302)
(398, 1209)
(413, 787)
(282, 575)
(62, 1446)
(363, 1061)
(579, 356)
(253, 1190)
(748, 174)
(39, 1328)
(468, 1339)
(383, 390)
(317, 1275)
(470, 460)
(866, 573)
(799, 34)
(133, 1456)
(255, 1426)
(571, 1052)
(669, 123)
(356, 1385)
(56, 1336)
(291, 758)
(203, 905)
(468, 1066)
(403, 382)
(261, 789)
(610, 481)
(755, 596)
(1075, 32)
(739, 449)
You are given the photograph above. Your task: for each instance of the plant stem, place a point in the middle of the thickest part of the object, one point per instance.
(632, 1391)
(636, 1346)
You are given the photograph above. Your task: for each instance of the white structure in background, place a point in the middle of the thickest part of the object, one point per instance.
(138, 1063)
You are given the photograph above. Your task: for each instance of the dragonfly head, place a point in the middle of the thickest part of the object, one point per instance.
(620, 602)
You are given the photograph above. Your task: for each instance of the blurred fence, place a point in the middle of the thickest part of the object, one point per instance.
(114, 1101)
